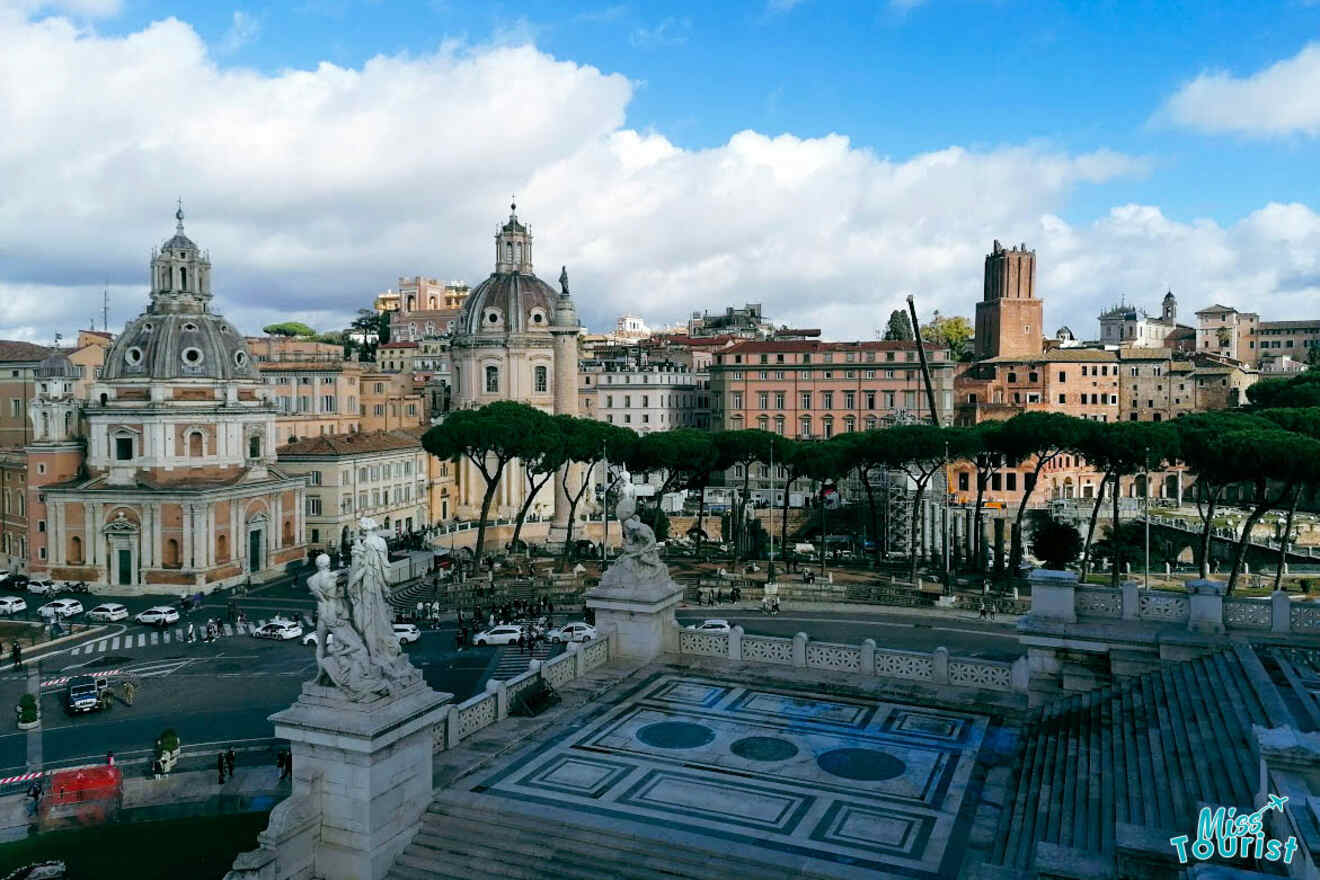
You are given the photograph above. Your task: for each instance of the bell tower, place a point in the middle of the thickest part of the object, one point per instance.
(180, 273)
(1009, 317)
(513, 246)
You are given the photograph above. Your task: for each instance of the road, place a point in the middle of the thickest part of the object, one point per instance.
(223, 693)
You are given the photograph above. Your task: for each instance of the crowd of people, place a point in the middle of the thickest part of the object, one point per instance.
(535, 616)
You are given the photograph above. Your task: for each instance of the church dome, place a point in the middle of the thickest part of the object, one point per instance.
(57, 366)
(178, 336)
(508, 302)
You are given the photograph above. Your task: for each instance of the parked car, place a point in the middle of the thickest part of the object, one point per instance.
(41, 585)
(572, 632)
(311, 639)
(498, 635)
(83, 694)
(10, 605)
(61, 609)
(158, 615)
(407, 633)
(14, 581)
(715, 626)
(279, 630)
(108, 612)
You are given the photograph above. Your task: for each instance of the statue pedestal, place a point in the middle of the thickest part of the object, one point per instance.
(367, 768)
(639, 613)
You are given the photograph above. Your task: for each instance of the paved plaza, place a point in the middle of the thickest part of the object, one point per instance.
(848, 783)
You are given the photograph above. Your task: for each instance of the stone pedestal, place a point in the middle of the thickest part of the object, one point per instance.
(1205, 601)
(1053, 594)
(365, 768)
(639, 614)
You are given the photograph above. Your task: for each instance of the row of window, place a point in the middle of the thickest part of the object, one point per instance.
(540, 379)
(687, 419)
(306, 380)
(369, 500)
(849, 357)
(737, 375)
(850, 399)
(684, 400)
(804, 425)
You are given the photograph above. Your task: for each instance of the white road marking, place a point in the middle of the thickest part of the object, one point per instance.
(101, 645)
(142, 639)
(114, 645)
(155, 638)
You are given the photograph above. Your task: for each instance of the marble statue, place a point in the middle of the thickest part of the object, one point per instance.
(639, 560)
(357, 650)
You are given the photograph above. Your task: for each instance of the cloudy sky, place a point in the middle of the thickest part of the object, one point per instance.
(823, 158)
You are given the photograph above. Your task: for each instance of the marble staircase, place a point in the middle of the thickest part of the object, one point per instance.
(470, 836)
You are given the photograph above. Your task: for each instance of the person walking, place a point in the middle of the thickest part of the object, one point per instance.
(192, 632)
(16, 654)
(220, 767)
(110, 759)
(230, 758)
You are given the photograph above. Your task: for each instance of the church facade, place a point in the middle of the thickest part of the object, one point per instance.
(515, 339)
(164, 479)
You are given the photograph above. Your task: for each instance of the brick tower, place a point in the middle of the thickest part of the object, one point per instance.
(1009, 317)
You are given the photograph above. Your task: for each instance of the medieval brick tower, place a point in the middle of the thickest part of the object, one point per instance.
(1009, 317)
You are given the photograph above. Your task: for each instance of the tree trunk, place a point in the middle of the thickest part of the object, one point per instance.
(739, 519)
(870, 503)
(701, 532)
(573, 499)
(1207, 526)
(916, 520)
(1283, 539)
(1263, 504)
(1015, 548)
(982, 478)
(783, 525)
(1090, 530)
(526, 506)
(1116, 563)
(486, 499)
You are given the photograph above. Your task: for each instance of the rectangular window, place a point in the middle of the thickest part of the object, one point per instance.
(375, 498)
(1010, 481)
(996, 482)
(327, 403)
(870, 400)
(735, 400)
(362, 501)
(805, 400)
(828, 402)
(313, 505)
(779, 400)
(963, 481)
(849, 400)
(315, 478)
(1063, 377)
(763, 399)
(1063, 398)
(123, 448)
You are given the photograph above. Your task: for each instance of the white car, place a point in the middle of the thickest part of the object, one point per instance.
(41, 585)
(280, 630)
(407, 633)
(572, 632)
(108, 612)
(12, 604)
(504, 634)
(711, 626)
(158, 615)
(61, 608)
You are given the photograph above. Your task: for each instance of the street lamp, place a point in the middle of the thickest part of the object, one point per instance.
(770, 566)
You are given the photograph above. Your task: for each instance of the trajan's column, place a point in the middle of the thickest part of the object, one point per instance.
(564, 328)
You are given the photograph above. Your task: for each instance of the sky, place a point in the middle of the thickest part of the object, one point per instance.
(821, 158)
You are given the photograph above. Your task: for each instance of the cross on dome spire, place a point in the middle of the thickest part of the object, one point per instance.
(178, 215)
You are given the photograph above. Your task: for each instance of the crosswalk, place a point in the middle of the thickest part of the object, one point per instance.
(173, 635)
(513, 662)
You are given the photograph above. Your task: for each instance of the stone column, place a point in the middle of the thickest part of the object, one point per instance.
(366, 768)
(145, 537)
(564, 329)
(1206, 604)
(1053, 594)
(156, 536)
(186, 542)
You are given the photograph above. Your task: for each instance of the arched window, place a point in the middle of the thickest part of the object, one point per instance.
(518, 251)
(412, 304)
(779, 424)
(75, 549)
(762, 422)
(45, 426)
(508, 252)
(542, 381)
(183, 278)
(171, 553)
(195, 444)
(492, 380)
(68, 424)
(804, 426)
(222, 548)
(288, 531)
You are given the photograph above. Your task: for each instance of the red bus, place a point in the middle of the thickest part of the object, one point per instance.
(82, 796)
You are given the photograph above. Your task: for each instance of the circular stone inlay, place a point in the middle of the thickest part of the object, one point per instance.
(675, 735)
(763, 748)
(866, 765)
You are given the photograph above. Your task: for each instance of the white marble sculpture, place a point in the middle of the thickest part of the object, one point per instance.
(639, 560)
(357, 650)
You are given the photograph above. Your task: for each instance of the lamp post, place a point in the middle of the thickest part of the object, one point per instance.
(770, 566)
(948, 572)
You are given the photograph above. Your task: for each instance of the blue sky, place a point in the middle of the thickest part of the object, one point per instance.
(821, 157)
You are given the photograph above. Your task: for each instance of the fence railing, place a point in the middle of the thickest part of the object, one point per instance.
(935, 667)
(1203, 607)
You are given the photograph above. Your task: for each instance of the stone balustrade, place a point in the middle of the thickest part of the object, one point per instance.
(1057, 596)
(935, 667)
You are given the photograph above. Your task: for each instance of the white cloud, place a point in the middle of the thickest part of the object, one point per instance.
(669, 32)
(315, 189)
(1282, 99)
(76, 8)
(242, 30)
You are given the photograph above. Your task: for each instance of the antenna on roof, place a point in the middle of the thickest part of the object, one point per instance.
(105, 310)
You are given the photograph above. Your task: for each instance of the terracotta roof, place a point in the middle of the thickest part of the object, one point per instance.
(16, 350)
(1058, 356)
(1216, 308)
(404, 344)
(351, 444)
(813, 345)
(1287, 325)
(1145, 354)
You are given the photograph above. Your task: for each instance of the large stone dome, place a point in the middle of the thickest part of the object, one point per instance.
(508, 302)
(179, 346)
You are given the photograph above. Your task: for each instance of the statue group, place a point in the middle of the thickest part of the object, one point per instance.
(356, 649)
(639, 558)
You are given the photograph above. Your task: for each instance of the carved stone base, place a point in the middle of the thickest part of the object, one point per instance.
(365, 768)
(640, 614)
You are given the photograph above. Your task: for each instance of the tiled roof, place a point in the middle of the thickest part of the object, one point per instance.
(1144, 354)
(813, 345)
(403, 344)
(1288, 325)
(1060, 356)
(1216, 308)
(1149, 752)
(16, 350)
(351, 444)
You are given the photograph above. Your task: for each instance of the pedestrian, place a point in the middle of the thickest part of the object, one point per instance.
(220, 767)
(981, 616)
(110, 759)
(17, 652)
(157, 770)
(522, 642)
(459, 638)
(230, 757)
(192, 633)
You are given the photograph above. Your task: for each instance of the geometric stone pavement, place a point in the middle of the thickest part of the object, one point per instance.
(863, 783)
